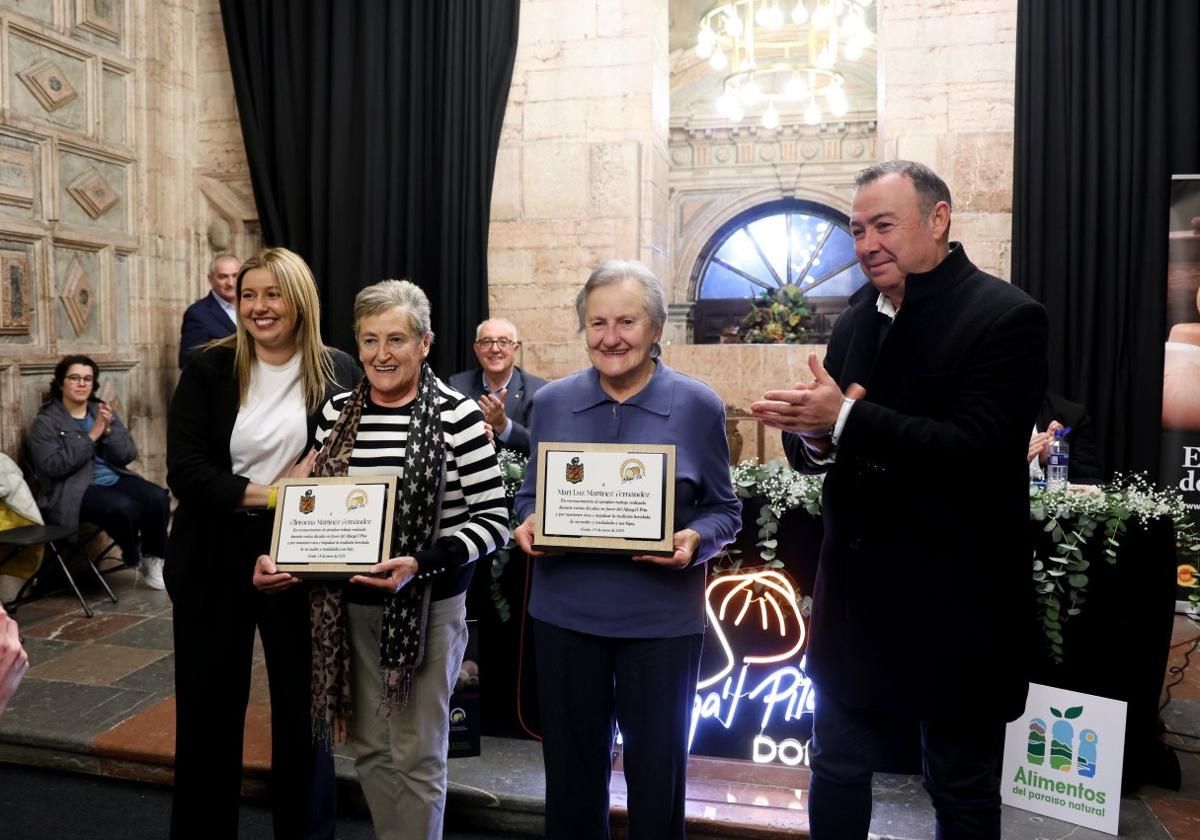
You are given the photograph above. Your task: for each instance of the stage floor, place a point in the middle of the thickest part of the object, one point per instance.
(98, 699)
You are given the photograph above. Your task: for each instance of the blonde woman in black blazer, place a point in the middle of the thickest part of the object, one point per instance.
(241, 417)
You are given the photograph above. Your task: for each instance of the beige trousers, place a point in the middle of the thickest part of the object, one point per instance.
(401, 758)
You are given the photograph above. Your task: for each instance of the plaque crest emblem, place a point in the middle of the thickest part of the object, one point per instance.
(308, 502)
(574, 470)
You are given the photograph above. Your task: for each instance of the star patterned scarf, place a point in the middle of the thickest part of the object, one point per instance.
(405, 613)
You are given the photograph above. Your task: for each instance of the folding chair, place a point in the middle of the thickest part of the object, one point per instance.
(15, 540)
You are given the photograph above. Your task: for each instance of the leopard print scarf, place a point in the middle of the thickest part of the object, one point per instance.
(405, 614)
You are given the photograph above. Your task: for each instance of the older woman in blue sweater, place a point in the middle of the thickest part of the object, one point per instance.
(618, 639)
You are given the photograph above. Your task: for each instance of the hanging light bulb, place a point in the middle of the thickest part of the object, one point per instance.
(750, 93)
(835, 96)
(718, 60)
(795, 89)
(812, 114)
(735, 112)
(725, 102)
(774, 16)
(763, 16)
(705, 42)
(852, 51)
(800, 13)
(770, 117)
(733, 23)
(822, 16)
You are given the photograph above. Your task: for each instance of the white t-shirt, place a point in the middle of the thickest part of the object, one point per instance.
(271, 429)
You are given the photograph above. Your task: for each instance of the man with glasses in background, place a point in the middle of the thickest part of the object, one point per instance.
(504, 391)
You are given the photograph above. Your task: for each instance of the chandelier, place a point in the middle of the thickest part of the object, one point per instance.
(783, 52)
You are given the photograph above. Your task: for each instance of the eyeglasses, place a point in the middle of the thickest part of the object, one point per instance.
(502, 343)
(76, 379)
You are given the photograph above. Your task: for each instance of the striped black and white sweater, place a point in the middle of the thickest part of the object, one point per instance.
(474, 516)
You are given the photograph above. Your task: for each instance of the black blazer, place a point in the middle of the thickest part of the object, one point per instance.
(518, 402)
(923, 603)
(1084, 464)
(200, 473)
(203, 321)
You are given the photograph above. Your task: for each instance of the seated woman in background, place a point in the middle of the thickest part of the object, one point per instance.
(79, 450)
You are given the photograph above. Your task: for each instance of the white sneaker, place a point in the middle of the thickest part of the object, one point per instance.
(150, 572)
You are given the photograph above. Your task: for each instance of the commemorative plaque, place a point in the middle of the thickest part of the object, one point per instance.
(605, 497)
(333, 527)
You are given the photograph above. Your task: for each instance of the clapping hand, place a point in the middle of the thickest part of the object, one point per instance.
(493, 410)
(103, 421)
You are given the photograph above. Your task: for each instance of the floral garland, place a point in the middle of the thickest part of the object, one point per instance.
(1060, 580)
(1072, 519)
(781, 489)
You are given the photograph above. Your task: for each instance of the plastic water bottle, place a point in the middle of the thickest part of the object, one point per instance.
(1058, 461)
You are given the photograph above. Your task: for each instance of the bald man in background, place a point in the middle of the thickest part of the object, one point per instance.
(504, 391)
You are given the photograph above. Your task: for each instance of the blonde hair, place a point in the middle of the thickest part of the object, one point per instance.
(299, 292)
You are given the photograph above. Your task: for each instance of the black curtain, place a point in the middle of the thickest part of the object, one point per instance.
(1106, 110)
(371, 130)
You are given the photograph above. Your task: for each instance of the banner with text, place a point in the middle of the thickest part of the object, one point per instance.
(1063, 757)
(1181, 367)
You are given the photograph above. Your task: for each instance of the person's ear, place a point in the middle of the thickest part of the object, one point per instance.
(939, 219)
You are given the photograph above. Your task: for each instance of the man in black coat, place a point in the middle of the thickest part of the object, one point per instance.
(504, 391)
(215, 314)
(922, 609)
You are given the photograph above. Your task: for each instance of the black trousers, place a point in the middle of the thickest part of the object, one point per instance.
(961, 761)
(213, 658)
(133, 512)
(586, 686)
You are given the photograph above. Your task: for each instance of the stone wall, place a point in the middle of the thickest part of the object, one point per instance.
(947, 89)
(119, 148)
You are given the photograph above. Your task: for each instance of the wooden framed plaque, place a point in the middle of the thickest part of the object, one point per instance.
(605, 497)
(333, 527)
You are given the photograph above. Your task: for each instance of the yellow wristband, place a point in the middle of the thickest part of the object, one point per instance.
(272, 496)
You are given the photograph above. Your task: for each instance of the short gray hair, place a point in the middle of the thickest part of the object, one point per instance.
(614, 271)
(504, 321)
(389, 293)
(930, 187)
(226, 255)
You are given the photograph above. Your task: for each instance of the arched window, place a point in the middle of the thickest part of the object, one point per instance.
(790, 242)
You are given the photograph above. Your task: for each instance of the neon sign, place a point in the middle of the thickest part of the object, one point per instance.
(756, 633)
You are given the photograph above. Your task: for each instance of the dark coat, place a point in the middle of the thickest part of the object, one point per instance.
(1084, 464)
(203, 321)
(923, 600)
(62, 456)
(518, 402)
(200, 472)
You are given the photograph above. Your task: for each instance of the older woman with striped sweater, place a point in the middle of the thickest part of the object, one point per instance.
(402, 633)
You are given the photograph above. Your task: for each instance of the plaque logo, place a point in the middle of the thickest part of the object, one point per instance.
(632, 470)
(357, 498)
(308, 502)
